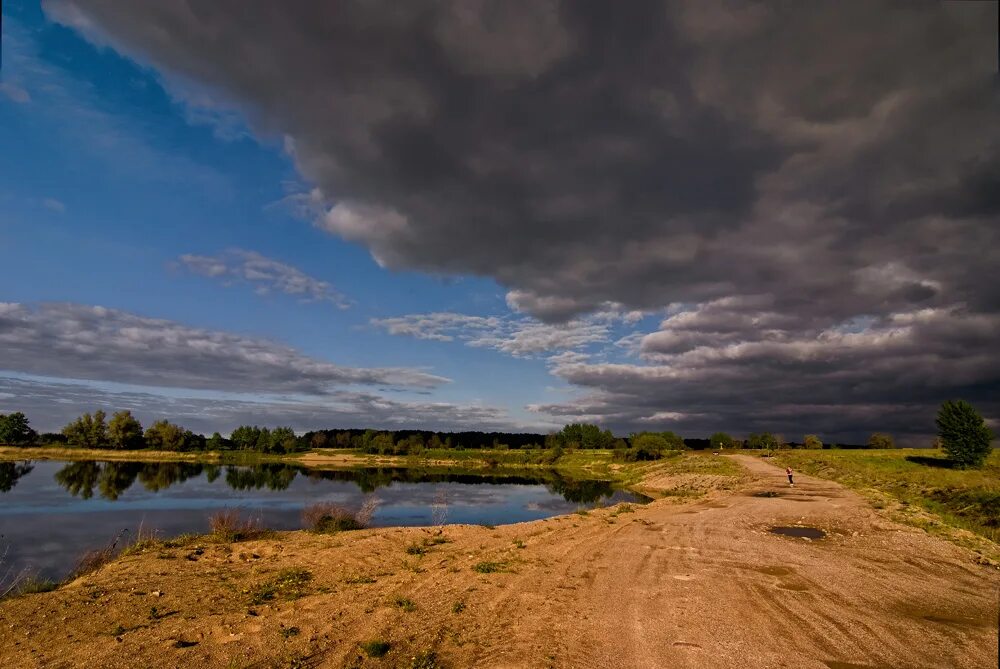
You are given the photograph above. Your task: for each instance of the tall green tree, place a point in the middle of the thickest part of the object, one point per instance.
(721, 440)
(89, 431)
(764, 440)
(124, 431)
(165, 436)
(963, 433)
(15, 430)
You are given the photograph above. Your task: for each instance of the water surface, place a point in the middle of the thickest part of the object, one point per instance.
(51, 512)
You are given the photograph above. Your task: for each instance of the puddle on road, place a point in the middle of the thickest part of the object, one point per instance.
(766, 493)
(801, 532)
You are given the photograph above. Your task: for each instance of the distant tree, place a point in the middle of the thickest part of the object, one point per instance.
(282, 440)
(963, 433)
(584, 435)
(165, 436)
(812, 441)
(721, 440)
(15, 430)
(675, 441)
(881, 440)
(648, 446)
(217, 443)
(124, 431)
(88, 431)
(764, 440)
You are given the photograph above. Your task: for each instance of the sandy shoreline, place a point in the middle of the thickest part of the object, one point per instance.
(698, 584)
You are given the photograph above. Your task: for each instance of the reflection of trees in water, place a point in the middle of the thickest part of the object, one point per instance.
(270, 476)
(112, 479)
(10, 472)
(580, 492)
(79, 478)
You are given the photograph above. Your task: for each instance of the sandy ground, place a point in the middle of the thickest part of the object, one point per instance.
(702, 584)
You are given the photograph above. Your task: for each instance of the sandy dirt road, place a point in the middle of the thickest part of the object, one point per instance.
(668, 585)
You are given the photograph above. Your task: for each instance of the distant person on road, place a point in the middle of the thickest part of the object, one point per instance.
(788, 471)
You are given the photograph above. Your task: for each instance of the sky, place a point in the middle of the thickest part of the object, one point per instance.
(501, 215)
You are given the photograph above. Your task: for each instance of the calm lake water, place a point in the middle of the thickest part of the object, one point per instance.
(51, 512)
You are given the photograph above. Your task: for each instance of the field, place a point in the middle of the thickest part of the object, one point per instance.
(915, 486)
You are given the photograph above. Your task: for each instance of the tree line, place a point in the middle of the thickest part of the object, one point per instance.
(962, 432)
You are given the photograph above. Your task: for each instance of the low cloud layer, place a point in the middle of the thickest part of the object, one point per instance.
(734, 364)
(514, 335)
(265, 274)
(51, 404)
(826, 175)
(83, 342)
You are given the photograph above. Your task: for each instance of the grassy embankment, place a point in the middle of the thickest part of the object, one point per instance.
(580, 464)
(917, 487)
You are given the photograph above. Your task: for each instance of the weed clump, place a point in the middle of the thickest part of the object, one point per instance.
(227, 526)
(329, 518)
(286, 584)
(488, 567)
(376, 647)
(416, 549)
(404, 603)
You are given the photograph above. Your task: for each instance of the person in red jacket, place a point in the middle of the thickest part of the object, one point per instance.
(788, 471)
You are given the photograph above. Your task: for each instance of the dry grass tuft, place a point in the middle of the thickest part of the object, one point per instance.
(328, 518)
(228, 526)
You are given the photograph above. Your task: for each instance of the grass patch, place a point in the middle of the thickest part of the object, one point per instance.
(489, 567)
(457, 607)
(404, 603)
(968, 499)
(354, 580)
(376, 648)
(287, 584)
(289, 632)
(416, 549)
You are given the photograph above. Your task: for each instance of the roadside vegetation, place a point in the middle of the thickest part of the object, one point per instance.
(915, 478)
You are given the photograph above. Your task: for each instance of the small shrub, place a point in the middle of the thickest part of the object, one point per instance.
(328, 518)
(488, 567)
(288, 632)
(416, 549)
(404, 603)
(359, 579)
(228, 526)
(376, 648)
(458, 607)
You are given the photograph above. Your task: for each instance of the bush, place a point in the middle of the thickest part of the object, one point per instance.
(963, 433)
(328, 518)
(227, 526)
(881, 440)
(376, 648)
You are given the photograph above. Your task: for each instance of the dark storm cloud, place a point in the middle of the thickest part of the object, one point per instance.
(836, 161)
(51, 404)
(84, 342)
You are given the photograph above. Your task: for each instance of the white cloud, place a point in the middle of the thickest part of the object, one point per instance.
(89, 342)
(516, 336)
(265, 274)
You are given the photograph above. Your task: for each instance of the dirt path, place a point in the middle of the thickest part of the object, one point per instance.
(668, 585)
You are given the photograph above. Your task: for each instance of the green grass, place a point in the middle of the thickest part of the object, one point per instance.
(286, 584)
(376, 647)
(489, 567)
(968, 499)
(404, 603)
